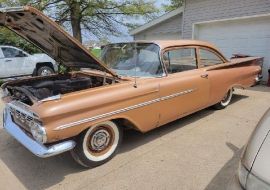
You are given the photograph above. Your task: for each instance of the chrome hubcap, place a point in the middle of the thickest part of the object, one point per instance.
(100, 140)
(45, 72)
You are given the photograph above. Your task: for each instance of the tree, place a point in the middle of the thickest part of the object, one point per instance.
(10, 38)
(174, 4)
(95, 17)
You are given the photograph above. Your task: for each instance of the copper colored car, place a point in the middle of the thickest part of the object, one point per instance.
(137, 85)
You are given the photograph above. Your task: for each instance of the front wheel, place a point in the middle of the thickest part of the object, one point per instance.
(45, 71)
(225, 101)
(98, 144)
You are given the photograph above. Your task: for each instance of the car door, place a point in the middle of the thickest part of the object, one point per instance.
(186, 88)
(219, 80)
(13, 61)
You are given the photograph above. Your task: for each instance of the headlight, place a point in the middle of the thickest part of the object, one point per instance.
(254, 183)
(242, 175)
(38, 132)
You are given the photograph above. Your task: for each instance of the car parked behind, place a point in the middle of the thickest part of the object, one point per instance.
(15, 62)
(254, 168)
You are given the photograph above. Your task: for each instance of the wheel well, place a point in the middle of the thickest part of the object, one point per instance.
(48, 64)
(125, 123)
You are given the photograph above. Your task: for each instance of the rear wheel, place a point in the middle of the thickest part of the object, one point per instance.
(98, 144)
(45, 71)
(225, 101)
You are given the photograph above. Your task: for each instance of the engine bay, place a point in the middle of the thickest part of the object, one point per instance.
(37, 89)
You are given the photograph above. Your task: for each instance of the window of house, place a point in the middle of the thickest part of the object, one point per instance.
(209, 58)
(179, 60)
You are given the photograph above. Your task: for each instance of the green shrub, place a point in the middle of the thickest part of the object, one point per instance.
(96, 52)
(8, 37)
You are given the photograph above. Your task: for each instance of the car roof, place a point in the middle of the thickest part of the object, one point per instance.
(163, 44)
(8, 46)
(172, 43)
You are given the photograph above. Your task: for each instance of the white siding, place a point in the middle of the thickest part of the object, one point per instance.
(167, 30)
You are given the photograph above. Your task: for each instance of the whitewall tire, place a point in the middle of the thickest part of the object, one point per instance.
(98, 144)
(225, 101)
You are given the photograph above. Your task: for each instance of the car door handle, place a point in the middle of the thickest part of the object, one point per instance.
(8, 60)
(204, 75)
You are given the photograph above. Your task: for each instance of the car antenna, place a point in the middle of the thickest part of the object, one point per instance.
(135, 77)
(105, 76)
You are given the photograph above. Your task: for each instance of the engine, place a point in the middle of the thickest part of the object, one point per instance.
(39, 90)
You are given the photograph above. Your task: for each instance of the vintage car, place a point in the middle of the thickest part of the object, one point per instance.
(137, 85)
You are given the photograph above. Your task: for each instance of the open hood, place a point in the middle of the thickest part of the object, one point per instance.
(38, 29)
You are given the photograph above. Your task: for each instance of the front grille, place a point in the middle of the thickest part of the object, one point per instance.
(22, 117)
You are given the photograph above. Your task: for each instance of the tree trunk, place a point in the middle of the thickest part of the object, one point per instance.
(76, 20)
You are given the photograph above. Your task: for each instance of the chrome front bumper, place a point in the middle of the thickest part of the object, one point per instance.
(36, 148)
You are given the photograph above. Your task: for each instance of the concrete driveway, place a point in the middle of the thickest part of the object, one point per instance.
(200, 151)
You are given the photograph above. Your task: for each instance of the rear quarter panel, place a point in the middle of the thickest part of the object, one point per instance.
(237, 74)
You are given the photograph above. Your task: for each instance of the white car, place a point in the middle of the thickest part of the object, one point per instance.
(15, 62)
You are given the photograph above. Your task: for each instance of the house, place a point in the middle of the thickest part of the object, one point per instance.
(166, 27)
(241, 26)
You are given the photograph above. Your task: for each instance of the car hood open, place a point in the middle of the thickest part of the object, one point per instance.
(38, 29)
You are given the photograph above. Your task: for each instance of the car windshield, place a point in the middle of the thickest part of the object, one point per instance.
(133, 59)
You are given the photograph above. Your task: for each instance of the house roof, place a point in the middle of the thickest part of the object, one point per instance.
(157, 21)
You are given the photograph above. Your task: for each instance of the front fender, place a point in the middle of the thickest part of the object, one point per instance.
(77, 111)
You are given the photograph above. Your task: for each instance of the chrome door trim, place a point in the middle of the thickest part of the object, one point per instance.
(123, 110)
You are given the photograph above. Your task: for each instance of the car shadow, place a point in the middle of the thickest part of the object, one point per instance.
(36, 173)
(260, 88)
(223, 178)
(133, 139)
(237, 97)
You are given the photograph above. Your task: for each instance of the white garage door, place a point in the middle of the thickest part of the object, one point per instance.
(246, 36)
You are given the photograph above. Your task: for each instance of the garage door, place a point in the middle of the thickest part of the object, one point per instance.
(246, 36)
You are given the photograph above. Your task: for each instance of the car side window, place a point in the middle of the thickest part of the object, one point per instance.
(179, 60)
(12, 53)
(209, 58)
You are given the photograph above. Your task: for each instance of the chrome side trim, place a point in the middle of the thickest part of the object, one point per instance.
(123, 110)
